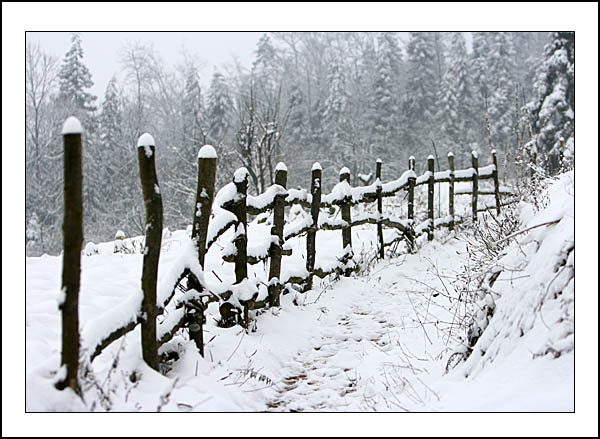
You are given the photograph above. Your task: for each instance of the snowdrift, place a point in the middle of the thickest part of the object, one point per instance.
(524, 359)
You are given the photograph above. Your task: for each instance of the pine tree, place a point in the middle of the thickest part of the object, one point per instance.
(422, 86)
(74, 81)
(218, 112)
(33, 236)
(456, 112)
(193, 111)
(266, 57)
(111, 130)
(75, 78)
(553, 112)
(480, 66)
(335, 106)
(296, 126)
(501, 88)
(386, 105)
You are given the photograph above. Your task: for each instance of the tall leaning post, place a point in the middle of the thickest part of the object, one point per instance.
(412, 181)
(311, 235)
(72, 242)
(205, 193)
(430, 196)
(154, 224)
(379, 209)
(277, 231)
(496, 183)
(475, 166)
(346, 210)
(451, 190)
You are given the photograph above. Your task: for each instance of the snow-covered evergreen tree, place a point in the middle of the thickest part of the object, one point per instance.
(553, 111)
(193, 111)
(111, 129)
(296, 126)
(218, 111)
(502, 88)
(266, 56)
(420, 104)
(386, 106)
(335, 106)
(75, 78)
(456, 113)
(480, 66)
(33, 236)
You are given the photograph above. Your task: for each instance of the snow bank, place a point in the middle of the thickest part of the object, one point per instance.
(533, 295)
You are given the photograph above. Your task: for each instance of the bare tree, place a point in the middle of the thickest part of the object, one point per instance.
(43, 156)
(262, 124)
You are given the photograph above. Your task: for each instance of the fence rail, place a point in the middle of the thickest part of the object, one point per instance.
(184, 289)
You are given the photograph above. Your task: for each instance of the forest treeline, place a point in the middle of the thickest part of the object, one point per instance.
(340, 98)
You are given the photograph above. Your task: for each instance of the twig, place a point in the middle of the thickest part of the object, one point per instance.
(549, 223)
(236, 348)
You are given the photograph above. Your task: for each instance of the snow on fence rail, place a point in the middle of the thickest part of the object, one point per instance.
(213, 216)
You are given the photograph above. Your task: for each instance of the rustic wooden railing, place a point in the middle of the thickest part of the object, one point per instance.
(184, 289)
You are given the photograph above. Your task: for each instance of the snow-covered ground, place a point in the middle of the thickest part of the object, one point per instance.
(376, 341)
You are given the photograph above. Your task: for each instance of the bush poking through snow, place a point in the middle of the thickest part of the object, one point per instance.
(130, 246)
(90, 249)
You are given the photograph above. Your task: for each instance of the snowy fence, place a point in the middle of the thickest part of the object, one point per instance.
(184, 289)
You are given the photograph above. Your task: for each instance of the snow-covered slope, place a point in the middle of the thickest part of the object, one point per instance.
(524, 360)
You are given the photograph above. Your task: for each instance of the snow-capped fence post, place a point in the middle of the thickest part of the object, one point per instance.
(154, 225)
(412, 180)
(277, 230)
(451, 190)
(72, 242)
(205, 191)
(345, 208)
(475, 166)
(430, 196)
(496, 183)
(240, 179)
(315, 190)
(379, 209)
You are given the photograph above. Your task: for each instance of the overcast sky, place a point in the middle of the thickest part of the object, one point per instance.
(101, 49)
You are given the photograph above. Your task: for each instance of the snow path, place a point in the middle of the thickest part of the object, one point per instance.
(372, 342)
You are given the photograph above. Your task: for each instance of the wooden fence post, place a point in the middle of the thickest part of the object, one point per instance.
(430, 196)
(315, 190)
(240, 179)
(496, 183)
(451, 190)
(277, 230)
(346, 210)
(154, 224)
(475, 166)
(379, 209)
(205, 192)
(411, 203)
(72, 242)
